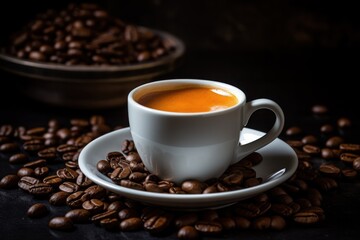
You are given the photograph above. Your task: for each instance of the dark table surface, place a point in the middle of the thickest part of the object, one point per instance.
(296, 79)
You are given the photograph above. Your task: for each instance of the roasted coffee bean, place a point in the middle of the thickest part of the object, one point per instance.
(78, 215)
(67, 174)
(314, 196)
(9, 147)
(97, 120)
(61, 223)
(53, 180)
(116, 205)
(319, 109)
(186, 219)
(334, 142)
(247, 210)
(303, 156)
(295, 143)
(83, 140)
(188, 232)
(9, 181)
(63, 148)
(209, 227)
(349, 173)
(311, 149)
(325, 183)
(40, 189)
(103, 166)
(18, 158)
(344, 122)
(36, 163)
(281, 209)
(37, 210)
(130, 184)
(137, 176)
(233, 179)
(261, 223)
(227, 222)
(133, 156)
(137, 166)
(69, 187)
(277, 191)
(330, 170)
(306, 218)
(328, 153)
(76, 199)
(26, 182)
(93, 205)
(127, 213)
(158, 223)
(242, 222)
(356, 164)
(350, 147)
(131, 224)
(221, 187)
(72, 165)
(83, 181)
(153, 187)
(120, 173)
(25, 171)
(33, 145)
(295, 207)
(309, 139)
(63, 134)
(96, 191)
(36, 131)
(263, 207)
(128, 146)
(58, 198)
(327, 128)
(103, 215)
(348, 158)
(6, 130)
(277, 222)
(251, 182)
(41, 172)
(293, 131)
(209, 189)
(100, 129)
(176, 190)
(193, 186)
(68, 156)
(110, 224)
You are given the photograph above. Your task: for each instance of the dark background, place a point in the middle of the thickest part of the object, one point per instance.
(298, 53)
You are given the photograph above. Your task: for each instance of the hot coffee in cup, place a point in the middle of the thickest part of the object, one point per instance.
(189, 99)
(190, 128)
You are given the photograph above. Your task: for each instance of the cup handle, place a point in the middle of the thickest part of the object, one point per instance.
(249, 108)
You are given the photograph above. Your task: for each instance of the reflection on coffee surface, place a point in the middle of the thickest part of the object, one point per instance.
(189, 100)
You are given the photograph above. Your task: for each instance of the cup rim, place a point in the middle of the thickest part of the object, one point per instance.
(240, 95)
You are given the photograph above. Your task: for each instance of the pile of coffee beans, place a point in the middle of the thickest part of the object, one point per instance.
(86, 34)
(46, 161)
(125, 168)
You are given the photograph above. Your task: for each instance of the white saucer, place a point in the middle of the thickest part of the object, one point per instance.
(279, 164)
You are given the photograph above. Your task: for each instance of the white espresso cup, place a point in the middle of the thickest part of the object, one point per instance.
(201, 145)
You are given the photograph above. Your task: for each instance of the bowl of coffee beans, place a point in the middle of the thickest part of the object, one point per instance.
(81, 56)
